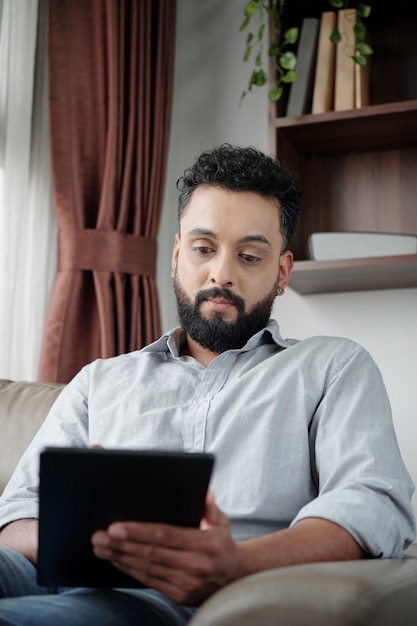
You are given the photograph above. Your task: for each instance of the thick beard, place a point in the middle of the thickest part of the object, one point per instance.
(214, 333)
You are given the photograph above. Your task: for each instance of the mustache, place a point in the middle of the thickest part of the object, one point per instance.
(216, 292)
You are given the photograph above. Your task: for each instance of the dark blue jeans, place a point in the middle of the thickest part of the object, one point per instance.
(24, 603)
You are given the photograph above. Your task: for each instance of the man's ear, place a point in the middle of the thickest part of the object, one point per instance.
(286, 263)
(175, 251)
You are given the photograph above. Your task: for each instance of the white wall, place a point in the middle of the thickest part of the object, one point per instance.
(209, 78)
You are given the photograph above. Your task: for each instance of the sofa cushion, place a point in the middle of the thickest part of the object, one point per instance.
(375, 592)
(23, 408)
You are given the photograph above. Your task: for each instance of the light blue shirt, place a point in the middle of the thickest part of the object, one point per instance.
(299, 429)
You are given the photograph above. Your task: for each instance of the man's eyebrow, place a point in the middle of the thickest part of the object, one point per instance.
(205, 232)
(255, 239)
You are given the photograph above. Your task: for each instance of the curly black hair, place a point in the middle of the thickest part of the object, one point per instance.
(245, 169)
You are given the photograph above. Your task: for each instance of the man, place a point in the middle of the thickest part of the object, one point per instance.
(307, 463)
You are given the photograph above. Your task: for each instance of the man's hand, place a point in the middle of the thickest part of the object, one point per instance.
(185, 564)
(188, 565)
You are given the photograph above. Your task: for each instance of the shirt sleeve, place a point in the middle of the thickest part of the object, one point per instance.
(65, 425)
(363, 484)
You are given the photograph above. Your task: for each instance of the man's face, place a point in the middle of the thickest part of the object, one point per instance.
(228, 266)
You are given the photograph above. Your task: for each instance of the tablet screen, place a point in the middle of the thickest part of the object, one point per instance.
(83, 490)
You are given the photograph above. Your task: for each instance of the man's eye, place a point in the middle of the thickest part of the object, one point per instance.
(249, 258)
(203, 249)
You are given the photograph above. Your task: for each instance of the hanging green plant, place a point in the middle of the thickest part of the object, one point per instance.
(359, 48)
(265, 19)
(284, 61)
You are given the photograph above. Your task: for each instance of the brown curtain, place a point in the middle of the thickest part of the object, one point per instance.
(110, 88)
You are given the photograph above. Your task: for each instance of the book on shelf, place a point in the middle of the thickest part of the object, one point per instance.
(344, 89)
(362, 85)
(301, 90)
(323, 92)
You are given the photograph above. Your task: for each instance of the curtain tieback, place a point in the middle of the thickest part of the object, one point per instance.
(106, 251)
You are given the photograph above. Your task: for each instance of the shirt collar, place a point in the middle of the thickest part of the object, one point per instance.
(171, 341)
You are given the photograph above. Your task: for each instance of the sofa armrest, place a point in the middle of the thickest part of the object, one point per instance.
(371, 592)
(23, 408)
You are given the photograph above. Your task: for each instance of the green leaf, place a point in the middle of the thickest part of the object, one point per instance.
(288, 77)
(273, 50)
(288, 61)
(261, 31)
(364, 10)
(275, 94)
(335, 37)
(244, 23)
(360, 31)
(291, 35)
(260, 78)
(251, 8)
(258, 60)
(364, 49)
(251, 80)
(247, 53)
(360, 60)
(249, 38)
(338, 4)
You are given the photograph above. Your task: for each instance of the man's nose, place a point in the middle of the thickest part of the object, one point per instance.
(223, 270)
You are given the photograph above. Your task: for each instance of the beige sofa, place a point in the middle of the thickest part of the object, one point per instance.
(367, 593)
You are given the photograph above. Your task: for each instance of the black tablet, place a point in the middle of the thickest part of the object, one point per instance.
(83, 490)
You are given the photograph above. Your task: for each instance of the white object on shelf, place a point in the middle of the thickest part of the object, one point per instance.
(328, 246)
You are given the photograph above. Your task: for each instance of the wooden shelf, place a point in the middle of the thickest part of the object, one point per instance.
(390, 272)
(348, 159)
(372, 128)
(357, 168)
